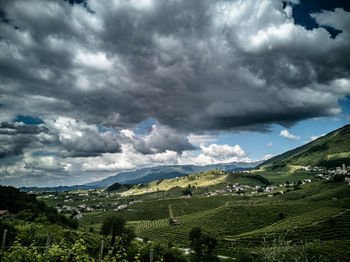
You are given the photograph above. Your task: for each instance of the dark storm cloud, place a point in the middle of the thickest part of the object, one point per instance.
(15, 129)
(15, 137)
(160, 140)
(191, 65)
(68, 137)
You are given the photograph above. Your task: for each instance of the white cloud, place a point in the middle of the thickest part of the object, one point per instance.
(78, 150)
(128, 159)
(222, 151)
(81, 139)
(312, 138)
(338, 19)
(269, 144)
(98, 61)
(189, 158)
(285, 133)
(159, 139)
(266, 157)
(201, 139)
(128, 133)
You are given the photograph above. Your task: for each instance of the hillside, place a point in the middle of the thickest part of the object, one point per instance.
(26, 207)
(116, 187)
(306, 222)
(317, 213)
(208, 179)
(146, 175)
(328, 151)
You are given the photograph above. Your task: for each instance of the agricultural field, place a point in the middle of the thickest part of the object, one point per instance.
(315, 213)
(278, 177)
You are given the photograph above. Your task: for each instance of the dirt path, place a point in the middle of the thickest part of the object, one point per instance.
(170, 212)
(182, 209)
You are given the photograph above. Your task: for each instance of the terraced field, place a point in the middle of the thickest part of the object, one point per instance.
(309, 214)
(159, 209)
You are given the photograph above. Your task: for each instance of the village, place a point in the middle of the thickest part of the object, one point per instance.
(78, 210)
(100, 200)
(342, 172)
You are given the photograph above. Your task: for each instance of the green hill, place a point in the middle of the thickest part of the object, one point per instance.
(26, 207)
(116, 187)
(328, 151)
(206, 179)
(318, 214)
(146, 175)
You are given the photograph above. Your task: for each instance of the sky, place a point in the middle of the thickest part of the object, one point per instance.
(91, 88)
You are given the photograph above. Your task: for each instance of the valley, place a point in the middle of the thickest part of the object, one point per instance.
(242, 211)
(284, 208)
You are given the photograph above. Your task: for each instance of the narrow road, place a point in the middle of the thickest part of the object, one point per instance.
(170, 212)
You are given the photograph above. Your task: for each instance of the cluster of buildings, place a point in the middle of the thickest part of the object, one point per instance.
(78, 210)
(343, 170)
(237, 189)
(125, 206)
(100, 207)
(314, 168)
(338, 170)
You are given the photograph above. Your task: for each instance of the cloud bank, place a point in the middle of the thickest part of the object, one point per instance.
(204, 65)
(195, 67)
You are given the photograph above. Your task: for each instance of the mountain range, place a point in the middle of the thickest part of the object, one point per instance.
(146, 175)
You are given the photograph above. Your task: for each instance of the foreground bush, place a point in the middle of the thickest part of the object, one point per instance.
(282, 250)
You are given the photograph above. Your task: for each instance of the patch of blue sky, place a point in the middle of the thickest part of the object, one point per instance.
(44, 153)
(144, 127)
(103, 129)
(28, 120)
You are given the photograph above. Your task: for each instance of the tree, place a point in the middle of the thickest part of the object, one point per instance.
(203, 245)
(113, 225)
(173, 255)
(186, 191)
(196, 245)
(339, 178)
(296, 187)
